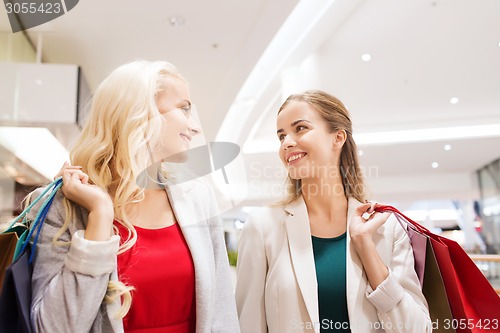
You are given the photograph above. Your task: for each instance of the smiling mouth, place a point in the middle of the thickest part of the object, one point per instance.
(295, 157)
(185, 138)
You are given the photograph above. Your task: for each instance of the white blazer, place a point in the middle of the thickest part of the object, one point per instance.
(277, 291)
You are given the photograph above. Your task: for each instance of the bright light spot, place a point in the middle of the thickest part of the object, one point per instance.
(366, 57)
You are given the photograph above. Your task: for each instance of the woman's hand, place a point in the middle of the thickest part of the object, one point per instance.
(362, 229)
(76, 188)
(94, 199)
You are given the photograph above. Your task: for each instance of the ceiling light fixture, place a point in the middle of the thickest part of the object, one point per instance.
(366, 57)
(454, 100)
(447, 147)
(396, 137)
(435, 165)
(428, 134)
(176, 21)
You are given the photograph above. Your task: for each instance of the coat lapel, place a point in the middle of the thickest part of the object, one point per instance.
(300, 244)
(194, 228)
(301, 251)
(355, 281)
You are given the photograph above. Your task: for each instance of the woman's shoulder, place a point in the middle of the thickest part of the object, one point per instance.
(57, 211)
(38, 197)
(266, 217)
(267, 211)
(392, 229)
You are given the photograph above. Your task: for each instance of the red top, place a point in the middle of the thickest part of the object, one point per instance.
(161, 269)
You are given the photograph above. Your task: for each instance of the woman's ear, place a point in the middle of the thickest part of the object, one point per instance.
(339, 139)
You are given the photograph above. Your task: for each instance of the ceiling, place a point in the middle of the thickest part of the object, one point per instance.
(423, 54)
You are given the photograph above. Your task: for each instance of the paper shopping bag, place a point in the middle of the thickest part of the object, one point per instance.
(474, 304)
(430, 278)
(8, 242)
(15, 300)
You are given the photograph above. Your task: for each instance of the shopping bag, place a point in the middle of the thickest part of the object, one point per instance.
(8, 243)
(15, 300)
(474, 304)
(11, 242)
(15, 295)
(431, 280)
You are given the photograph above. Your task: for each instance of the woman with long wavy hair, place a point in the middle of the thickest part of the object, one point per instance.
(116, 254)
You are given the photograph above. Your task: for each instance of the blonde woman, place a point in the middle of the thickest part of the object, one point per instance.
(116, 256)
(316, 262)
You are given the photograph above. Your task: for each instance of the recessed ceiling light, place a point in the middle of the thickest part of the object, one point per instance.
(176, 21)
(447, 147)
(454, 100)
(366, 57)
(435, 165)
(360, 153)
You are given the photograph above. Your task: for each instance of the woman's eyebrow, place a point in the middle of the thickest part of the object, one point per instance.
(293, 124)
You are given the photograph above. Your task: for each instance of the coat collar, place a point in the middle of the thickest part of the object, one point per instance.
(302, 256)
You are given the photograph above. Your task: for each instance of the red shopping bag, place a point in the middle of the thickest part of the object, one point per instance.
(474, 304)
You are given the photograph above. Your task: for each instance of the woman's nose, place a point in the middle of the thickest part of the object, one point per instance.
(194, 128)
(288, 142)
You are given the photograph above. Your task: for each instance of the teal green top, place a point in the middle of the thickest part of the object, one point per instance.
(330, 261)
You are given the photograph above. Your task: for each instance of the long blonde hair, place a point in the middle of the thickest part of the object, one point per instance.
(116, 142)
(335, 114)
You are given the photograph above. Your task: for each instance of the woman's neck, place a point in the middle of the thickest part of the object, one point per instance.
(153, 212)
(325, 197)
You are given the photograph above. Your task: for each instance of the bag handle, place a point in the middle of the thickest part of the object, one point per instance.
(23, 214)
(400, 216)
(36, 226)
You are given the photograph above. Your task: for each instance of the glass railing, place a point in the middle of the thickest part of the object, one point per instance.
(489, 264)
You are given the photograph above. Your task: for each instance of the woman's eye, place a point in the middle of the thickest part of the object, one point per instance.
(281, 137)
(300, 128)
(186, 109)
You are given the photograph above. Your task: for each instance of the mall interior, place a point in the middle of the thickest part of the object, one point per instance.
(421, 80)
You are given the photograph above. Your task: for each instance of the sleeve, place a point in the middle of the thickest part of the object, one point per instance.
(398, 299)
(225, 318)
(250, 285)
(69, 282)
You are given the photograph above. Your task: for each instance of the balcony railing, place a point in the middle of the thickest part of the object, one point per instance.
(489, 264)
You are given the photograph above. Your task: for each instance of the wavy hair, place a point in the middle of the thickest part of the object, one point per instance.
(335, 114)
(116, 144)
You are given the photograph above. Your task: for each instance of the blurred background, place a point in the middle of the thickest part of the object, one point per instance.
(420, 78)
